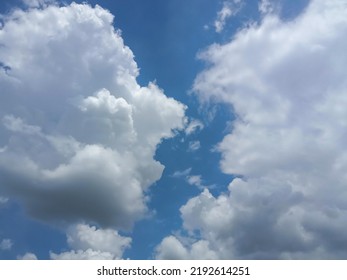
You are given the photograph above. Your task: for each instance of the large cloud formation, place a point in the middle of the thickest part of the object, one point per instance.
(286, 83)
(77, 132)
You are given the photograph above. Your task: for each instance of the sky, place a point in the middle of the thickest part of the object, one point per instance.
(173, 130)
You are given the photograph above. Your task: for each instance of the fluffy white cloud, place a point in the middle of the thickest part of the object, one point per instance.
(194, 180)
(6, 244)
(88, 242)
(27, 256)
(172, 249)
(286, 84)
(77, 133)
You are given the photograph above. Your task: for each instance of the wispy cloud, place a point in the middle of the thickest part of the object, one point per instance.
(194, 146)
(230, 8)
(194, 180)
(6, 244)
(183, 173)
(194, 126)
(3, 200)
(266, 7)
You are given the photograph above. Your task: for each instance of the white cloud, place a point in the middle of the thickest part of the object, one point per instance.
(286, 84)
(6, 244)
(78, 133)
(27, 256)
(194, 126)
(183, 173)
(88, 242)
(38, 3)
(230, 8)
(171, 248)
(265, 7)
(194, 145)
(194, 180)
(88, 254)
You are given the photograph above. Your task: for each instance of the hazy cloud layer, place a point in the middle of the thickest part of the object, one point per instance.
(3, 200)
(286, 83)
(6, 244)
(77, 133)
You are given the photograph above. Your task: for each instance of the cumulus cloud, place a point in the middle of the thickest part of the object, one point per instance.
(27, 256)
(285, 82)
(77, 133)
(6, 244)
(230, 8)
(171, 248)
(89, 243)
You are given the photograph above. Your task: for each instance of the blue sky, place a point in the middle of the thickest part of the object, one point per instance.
(209, 129)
